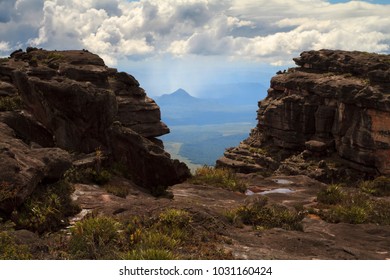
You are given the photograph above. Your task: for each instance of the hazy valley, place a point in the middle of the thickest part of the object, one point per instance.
(202, 128)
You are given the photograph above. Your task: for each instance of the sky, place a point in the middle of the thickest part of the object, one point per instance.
(174, 44)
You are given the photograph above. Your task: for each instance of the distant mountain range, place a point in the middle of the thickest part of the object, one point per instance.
(181, 108)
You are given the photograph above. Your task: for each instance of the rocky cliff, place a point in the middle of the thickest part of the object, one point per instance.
(58, 105)
(327, 118)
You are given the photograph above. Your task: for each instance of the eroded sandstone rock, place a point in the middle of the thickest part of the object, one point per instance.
(71, 101)
(22, 168)
(338, 98)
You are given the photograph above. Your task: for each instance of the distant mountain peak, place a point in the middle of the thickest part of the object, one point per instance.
(179, 94)
(180, 91)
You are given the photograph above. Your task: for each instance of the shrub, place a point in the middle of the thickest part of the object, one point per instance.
(380, 186)
(102, 177)
(160, 237)
(158, 240)
(175, 218)
(10, 103)
(352, 214)
(46, 209)
(332, 195)
(263, 216)
(87, 175)
(358, 208)
(118, 190)
(9, 250)
(219, 177)
(95, 238)
(55, 56)
(174, 222)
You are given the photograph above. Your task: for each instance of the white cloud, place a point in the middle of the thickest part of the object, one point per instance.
(271, 31)
(4, 47)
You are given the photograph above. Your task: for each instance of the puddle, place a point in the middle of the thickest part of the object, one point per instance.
(282, 181)
(280, 190)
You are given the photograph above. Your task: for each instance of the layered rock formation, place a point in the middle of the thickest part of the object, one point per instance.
(70, 101)
(326, 118)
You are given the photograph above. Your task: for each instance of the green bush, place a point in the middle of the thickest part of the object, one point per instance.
(47, 209)
(175, 218)
(380, 186)
(158, 238)
(55, 56)
(263, 216)
(332, 195)
(9, 250)
(118, 190)
(359, 208)
(102, 177)
(95, 238)
(219, 177)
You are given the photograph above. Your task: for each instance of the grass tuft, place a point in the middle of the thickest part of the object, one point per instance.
(47, 209)
(10, 250)
(219, 177)
(380, 186)
(95, 238)
(332, 195)
(263, 216)
(356, 206)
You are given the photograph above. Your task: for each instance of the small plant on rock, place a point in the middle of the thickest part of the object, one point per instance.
(47, 209)
(95, 238)
(380, 186)
(219, 177)
(118, 190)
(10, 250)
(263, 216)
(332, 195)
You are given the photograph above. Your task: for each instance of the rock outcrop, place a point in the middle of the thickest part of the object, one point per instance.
(326, 118)
(71, 102)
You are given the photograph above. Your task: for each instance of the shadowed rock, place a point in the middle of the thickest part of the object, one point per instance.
(73, 101)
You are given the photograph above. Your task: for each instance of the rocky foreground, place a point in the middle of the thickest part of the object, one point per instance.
(83, 176)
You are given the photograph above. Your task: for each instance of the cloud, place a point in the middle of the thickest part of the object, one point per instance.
(270, 31)
(19, 21)
(4, 47)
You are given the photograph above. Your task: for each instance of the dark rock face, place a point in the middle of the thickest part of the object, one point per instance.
(22, 168)
(336, 105)
(72, 101)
